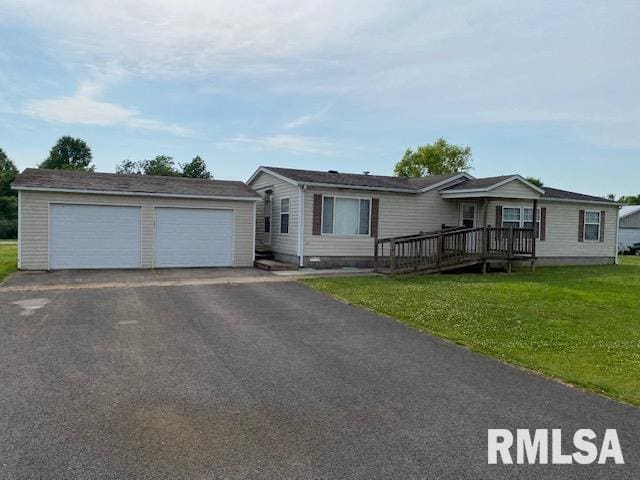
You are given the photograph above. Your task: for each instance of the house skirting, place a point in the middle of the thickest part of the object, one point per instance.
(338, 261)
(566, 261)
(367, 262)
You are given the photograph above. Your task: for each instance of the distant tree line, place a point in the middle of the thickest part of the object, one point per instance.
(70, 153)
(165, 166)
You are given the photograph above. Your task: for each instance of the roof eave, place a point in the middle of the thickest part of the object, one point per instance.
(446, 181)
(575, 200)
(136, 194)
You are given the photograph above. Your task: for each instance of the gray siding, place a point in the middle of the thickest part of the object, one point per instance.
(34, 224)
(631, 221)
(286, 244)
(514, 189)
(562, 228)
(399, 214)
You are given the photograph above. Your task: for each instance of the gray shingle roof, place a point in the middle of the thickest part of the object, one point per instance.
(40, 178)
(360, 180)
(478, 183)
(566, 195)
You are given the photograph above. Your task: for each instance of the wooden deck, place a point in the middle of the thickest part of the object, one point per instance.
(453, 248)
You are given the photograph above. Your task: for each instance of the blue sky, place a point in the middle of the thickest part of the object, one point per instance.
(548, 89)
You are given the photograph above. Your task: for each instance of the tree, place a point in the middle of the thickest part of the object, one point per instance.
(439, 157)
(630, 199)
(196, 168)
(69, 154)
(8, 172)
(535, 180)
(129, 166)
(8, 198)
(161, 165)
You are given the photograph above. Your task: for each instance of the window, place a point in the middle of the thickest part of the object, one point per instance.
(345, 216)
(284, 215)
(528, 220)
(511, 217)
(468, 216)
(592, 226)
(520, 217)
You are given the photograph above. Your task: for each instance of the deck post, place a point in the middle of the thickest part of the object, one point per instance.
(375, 253)
(392, 255)
(535, 219)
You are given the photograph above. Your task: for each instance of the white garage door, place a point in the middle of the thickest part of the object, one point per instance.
(94, 236)
(193, 237)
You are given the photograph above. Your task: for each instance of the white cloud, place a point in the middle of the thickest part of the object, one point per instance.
(304, 120)
(290, 143)
(83, 108)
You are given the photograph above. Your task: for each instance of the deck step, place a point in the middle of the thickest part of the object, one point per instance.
(264, 255)
(274, 265)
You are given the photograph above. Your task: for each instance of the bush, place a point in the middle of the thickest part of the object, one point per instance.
(8, 217)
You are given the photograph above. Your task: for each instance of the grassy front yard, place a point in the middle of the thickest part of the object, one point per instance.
(579, 324)
(8, 258)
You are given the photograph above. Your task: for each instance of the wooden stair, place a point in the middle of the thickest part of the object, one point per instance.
(274, 265)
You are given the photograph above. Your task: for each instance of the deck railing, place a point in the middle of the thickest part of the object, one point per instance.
(452, 247)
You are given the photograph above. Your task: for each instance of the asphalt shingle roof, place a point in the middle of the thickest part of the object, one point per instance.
(549, 192)
(478, 183)
(131, 184)
(566, 195)
(359, 179)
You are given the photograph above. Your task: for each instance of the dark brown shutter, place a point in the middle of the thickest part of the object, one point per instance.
(375, 207)
(602, 222)
(581, 226)
(543, 223)
(317, 214)
(498, 216)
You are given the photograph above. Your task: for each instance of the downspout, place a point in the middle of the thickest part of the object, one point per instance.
(255, 231)
(617, 235)
(19, 229)
(301, 190)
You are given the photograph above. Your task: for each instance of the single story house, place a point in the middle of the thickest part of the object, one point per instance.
(629, 228)
(328, 219)
(71, 219)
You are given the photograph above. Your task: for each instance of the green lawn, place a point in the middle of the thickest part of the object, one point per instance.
(579, 324)
(8, 258)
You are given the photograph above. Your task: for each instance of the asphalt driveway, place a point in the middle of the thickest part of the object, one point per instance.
(262, 380)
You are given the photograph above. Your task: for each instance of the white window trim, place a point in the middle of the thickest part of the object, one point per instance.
(357, 235)
(475, 213)
(288, 212)
(522, 220)
(585, 223)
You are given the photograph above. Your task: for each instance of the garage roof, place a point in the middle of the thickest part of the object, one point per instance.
(125, 184)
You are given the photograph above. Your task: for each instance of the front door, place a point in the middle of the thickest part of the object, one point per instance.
(266, 240)
(468, 215)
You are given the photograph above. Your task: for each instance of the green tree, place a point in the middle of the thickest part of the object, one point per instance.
(535, 180)
(69, 154)
(196, 168)
(129, 166)
(8, 172)
(8, 198)
(437, 158)
(630, 199)
(161, 165)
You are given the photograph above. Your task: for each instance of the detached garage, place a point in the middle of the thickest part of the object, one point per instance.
(70, 219)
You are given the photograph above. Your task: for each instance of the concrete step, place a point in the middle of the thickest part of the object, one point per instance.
(274, 265)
